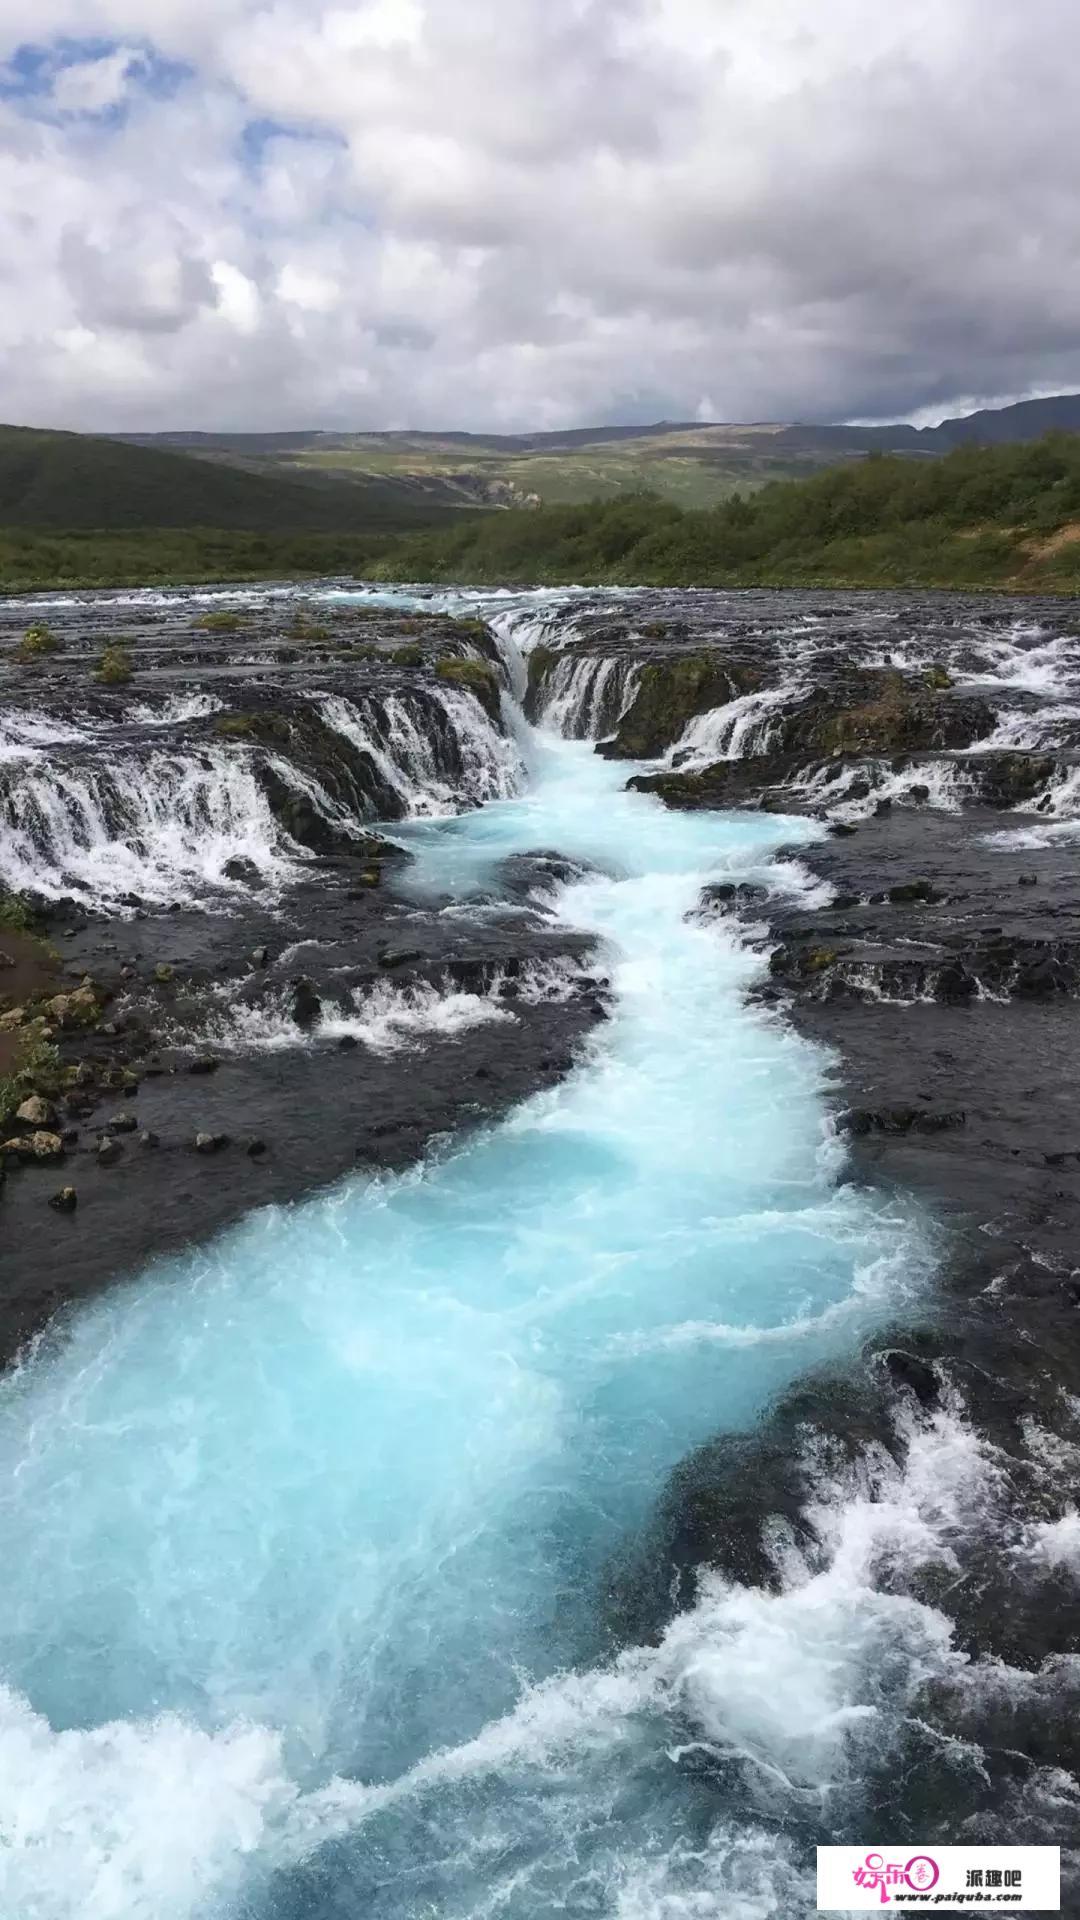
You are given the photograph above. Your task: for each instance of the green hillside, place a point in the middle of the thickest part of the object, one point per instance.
(997, 516)
(73, 481)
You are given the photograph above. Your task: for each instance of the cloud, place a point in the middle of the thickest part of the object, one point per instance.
(504, 213)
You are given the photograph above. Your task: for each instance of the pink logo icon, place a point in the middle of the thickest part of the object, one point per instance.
(919, 1875)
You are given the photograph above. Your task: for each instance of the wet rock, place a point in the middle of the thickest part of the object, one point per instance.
(255, 1149)
(204, 1064)
(399, 956)
(348, 1043)
(733, 895)
(41, 1146)
(65, 1201)
(209, 1143)
(149, 1139)
(670, 694)
(911, 891)
(122, 1123)
(305, 1003)
(863, 1121)
(243, 871)
(261, 957)
(36, 1112)
(109, 1151)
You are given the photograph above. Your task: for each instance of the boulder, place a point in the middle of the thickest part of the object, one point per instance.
(208, 1143)
(35, 1146)
(35, 1112)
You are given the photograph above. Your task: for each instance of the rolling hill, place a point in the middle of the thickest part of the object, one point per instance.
(74, 481)
(693, 464)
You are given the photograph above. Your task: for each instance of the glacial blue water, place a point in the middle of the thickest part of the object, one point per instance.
(305, 1535)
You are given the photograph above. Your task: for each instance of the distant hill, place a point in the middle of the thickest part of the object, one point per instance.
(75, 481)
(693, 464)
(997, 426)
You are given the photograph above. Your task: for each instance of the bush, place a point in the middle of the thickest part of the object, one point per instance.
(224, 621)
(114, 669)
(36, 642)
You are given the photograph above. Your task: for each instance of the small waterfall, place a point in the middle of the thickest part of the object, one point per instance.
(733, 732)
(434, 751)
(162, 827)
(585, 695)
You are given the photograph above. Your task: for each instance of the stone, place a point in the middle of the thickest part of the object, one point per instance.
(65, 1201)
(348, 1043)
(1029, 880)
(261, 957)
(256, 1149)
(163, 972)
(109, 1152)
(306, 1004)
(400, 956)
(149, 1139)
(35, 1146)
(35, 1112)
(242, 870)
(205, 1064)
(211, 1142)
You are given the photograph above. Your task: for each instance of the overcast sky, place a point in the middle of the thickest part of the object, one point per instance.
(499, 214)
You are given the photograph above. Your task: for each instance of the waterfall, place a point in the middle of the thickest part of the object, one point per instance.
(161, 827)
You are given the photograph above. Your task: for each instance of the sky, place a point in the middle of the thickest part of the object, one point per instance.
(509, 214)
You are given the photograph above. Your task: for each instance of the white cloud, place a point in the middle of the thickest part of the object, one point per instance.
(513, 212)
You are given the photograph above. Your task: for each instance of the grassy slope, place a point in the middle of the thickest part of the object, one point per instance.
(697, 466)
(1001, 517)
(71, 481)
(1004, 516)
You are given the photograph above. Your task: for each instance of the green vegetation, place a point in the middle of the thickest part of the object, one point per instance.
(16, 913)
(1004, 516)
(159, 557)
(74, 480)
(114, 668)
(224, 620)
(38, 641)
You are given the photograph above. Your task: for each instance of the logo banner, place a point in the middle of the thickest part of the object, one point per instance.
(945, 1879)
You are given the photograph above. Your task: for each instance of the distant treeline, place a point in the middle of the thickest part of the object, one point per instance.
(997, 516)
(980, 516)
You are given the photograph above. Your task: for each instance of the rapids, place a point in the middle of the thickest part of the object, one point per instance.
(308, 1535)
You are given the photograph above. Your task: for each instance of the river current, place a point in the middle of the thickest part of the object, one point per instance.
(309, 1536)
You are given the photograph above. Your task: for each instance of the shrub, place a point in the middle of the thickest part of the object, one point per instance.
(114, 668)
(36, 642)
(226, 620)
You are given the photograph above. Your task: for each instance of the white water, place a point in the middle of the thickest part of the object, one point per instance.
(304, 1535)
(162, 824)
(162, 827)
